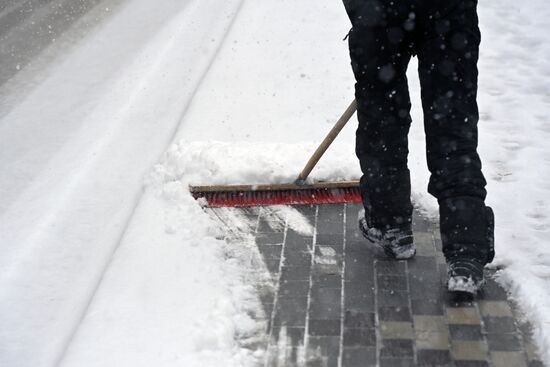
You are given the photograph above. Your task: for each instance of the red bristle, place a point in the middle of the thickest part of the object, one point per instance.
(282, 197)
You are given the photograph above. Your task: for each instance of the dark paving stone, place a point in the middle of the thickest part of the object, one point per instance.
(323, 351)
(325, 303)
(297, 241)
(492, 291)
(307, 210)
(297, 258)
(294, 289)
(358, 319)
(428, 357)
(499, 325)
(397, 348)
(503, 342)
(270, 238)
(397, 362)
(359, 337)
(290, 312)
(292, 335)
(359, 356)
(390, 298)
(289, 273)
(394, 314)
(335, 241)
(390, 267)
(271, 252)
(392, 282)
(324, 327)
(427, 307)
(534, 363)
(358, 301)
(465, 332)
(330, 219)
(273, 265)
(471, 364)
(327, 280)
(265, 226)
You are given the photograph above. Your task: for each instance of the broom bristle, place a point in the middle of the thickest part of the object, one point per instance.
(280, 197)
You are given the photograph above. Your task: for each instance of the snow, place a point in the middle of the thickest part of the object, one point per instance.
(107, 260)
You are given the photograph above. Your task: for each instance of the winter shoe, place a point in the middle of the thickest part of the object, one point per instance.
(465, 275)
(396, 242)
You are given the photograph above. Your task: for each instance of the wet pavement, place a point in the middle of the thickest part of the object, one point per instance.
(337, 301)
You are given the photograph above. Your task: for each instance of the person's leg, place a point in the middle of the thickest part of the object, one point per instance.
(380, 50)
(448, 54)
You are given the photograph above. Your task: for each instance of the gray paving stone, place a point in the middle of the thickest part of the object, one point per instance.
(325, 303)
(392, 282)
(499, 325)
(504, 342)
(270, 238)
(394, 314)
(358, 319)
(397, 348)
(359, 356)
(427, 357)
(465, 332)
(359, 337)
(324, 327)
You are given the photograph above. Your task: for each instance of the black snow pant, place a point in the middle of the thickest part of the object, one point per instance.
(444, 34)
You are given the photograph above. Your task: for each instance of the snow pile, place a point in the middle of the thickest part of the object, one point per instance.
(216, 162)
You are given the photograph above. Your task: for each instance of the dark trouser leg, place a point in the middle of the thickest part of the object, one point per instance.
(380, 50)
(448, 53)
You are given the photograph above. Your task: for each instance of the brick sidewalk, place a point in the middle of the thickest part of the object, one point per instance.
(338, 301)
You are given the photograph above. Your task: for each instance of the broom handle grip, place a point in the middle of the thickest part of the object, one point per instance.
(333, 133)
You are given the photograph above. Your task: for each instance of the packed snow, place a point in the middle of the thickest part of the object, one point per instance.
(106, 258)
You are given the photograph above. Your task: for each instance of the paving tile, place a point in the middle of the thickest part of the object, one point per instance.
(430, 323)
(499, 324)
(359, 337)
(273, 265)
(397, 362)
(532, 351)
(390, 267)
(326, 280)
(357, 301)
(325, 303)
(433, 340)
(465, 332)
(290, 273)
(294, 289)
(469, 350)
(394, 314)
(463, 315)
(392, 282)
(288, 335)
(397, 348)
(396, 330)
(507, 359)
(297, 241)
(495, 309)
(471, 364)
(284, 356)
(290, 312)
(359, 319)
(270, 238)
(436, 357)
(359, 356)
(297, 258)
(334, 241)
(535, 363)
(390, 298)
(330, 219)
(427, 307)
(424, 244)
(492, 291)
(323, 351)
(504, 342)
(270, 252)
(324, 327)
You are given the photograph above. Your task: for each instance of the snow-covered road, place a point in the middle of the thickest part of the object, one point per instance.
(95, 270)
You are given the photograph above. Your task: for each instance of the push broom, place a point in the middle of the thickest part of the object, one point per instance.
(298, 192)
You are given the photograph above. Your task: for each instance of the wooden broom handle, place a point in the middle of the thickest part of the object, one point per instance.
(333, 133)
